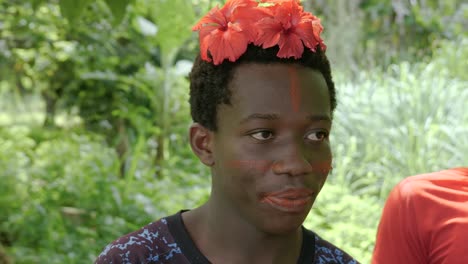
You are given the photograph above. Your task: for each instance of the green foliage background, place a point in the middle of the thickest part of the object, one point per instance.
(94, 116)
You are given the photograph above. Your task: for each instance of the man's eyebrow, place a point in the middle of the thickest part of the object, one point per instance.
(314, 118)
(317, 118)
(259, 116)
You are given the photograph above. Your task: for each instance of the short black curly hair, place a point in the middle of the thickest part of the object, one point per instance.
(209, 83)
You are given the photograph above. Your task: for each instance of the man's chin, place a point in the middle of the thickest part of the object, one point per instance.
(282, 224)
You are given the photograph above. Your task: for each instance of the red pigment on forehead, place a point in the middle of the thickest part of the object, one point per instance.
(294, 88)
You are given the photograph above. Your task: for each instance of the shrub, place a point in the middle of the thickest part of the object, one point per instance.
(408, 120)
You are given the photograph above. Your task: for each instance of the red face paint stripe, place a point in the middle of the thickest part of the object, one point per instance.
(294, 89)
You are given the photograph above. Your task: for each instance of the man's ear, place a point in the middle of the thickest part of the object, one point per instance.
(201, 141)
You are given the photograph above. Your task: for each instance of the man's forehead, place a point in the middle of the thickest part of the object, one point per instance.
(258, 88)
(249, 79)
(245, 71)
(275, 117)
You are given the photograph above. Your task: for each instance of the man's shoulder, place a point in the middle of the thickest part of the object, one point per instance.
(152, 243)
(422, 184)
(326, 252)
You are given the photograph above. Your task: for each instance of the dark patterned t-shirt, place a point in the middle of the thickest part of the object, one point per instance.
(167, 241)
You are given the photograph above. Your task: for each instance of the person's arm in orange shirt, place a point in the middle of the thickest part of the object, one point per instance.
(398, 240)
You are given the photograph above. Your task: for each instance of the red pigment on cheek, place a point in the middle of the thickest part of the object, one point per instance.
(262, 166)
(294, 88)
(323, 167)
(257, 165)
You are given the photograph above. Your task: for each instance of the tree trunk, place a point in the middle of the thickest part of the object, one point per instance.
(167, 62)
(122, 145)
(50, 103)
(4, 258)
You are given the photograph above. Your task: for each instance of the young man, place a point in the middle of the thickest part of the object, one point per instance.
(261, 123)
(425, 220)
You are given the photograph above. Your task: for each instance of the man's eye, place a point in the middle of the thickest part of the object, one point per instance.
(318, 136)
(262, 135)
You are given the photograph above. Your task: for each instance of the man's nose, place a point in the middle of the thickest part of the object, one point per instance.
(293, 163)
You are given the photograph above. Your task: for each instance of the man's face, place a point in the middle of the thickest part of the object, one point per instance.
(271, 151)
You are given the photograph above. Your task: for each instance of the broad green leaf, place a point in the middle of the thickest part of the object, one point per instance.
(174, 20)
(72, 9)
(118, 8)
(36, 3)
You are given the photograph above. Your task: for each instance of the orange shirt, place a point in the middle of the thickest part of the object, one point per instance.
(425, 220)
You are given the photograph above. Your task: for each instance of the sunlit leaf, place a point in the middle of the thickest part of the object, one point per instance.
(183, 67)
(146, 27)
(174, 19)
(36, 3)
(118, 8)
(72, 9)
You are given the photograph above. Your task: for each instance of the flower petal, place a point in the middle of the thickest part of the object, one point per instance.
(231, 5)
(246, 17)
(204, 48)
(317, 29)
(205, 31)
(279, 1)
(288, 13)
(296, 12)
(269, 32)
(305, 32)
(229, 44)
(290, 46)
(237, 43)
(214, 17)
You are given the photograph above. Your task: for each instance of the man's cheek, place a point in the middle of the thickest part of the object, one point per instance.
(323, 167)
(262, 166)
(250, 166)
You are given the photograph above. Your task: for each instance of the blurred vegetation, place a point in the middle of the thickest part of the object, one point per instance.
(94, 116)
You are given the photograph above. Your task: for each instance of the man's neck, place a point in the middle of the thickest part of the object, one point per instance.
(223, 235)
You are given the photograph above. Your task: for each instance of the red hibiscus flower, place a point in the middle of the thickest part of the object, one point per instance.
(289, 27)
(279, 1)
(226, 32)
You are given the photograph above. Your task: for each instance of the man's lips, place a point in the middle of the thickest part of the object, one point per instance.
(289, 200)
(290, 193)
